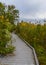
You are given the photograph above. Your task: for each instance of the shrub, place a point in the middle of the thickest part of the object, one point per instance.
(7, 18)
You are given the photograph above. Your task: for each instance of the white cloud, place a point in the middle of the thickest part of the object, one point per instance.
(29, 8)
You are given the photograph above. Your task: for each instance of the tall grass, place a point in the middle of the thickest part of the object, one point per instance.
(35, 35)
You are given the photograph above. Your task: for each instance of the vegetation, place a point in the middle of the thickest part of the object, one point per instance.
(8, 14)
(35, 35)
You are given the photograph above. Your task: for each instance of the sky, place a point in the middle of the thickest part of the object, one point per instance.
(29, 9)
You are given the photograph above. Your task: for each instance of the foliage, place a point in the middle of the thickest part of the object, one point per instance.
(35, 35)
(8, 14)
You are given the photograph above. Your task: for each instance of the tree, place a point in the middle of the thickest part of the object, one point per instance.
(13, 14)
(7, 16)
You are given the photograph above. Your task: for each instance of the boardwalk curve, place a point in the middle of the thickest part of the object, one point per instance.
(23, 54)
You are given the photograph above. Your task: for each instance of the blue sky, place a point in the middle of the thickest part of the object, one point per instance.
(29, 9)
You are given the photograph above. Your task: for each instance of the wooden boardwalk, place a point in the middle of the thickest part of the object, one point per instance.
(23, 54)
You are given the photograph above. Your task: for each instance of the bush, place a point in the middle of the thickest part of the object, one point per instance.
(7, 18)
(8, 50)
